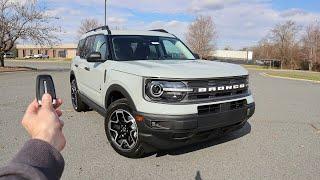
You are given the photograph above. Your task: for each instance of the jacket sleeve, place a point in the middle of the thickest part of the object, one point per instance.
(36, 160)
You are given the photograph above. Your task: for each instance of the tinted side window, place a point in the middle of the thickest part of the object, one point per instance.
(88, 47)
(101, 45)
(79, 49)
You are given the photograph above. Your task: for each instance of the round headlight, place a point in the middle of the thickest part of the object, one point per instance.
(156, 90)
(166, 91)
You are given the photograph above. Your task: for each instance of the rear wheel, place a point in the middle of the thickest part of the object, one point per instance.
(77, 103)
(122, 130)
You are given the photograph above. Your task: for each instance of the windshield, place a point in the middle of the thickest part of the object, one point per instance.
(127, 48)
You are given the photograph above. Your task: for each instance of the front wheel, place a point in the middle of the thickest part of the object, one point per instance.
(77, 103)
(122, 130)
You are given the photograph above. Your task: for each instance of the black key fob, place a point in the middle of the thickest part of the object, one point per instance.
(45, 85)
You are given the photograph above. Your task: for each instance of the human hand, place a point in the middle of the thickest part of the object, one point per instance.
(43, 122)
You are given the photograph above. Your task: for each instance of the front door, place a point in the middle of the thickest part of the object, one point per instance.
(96, 76)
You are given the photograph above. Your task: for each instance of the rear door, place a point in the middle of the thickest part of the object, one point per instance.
(77, 61)
(83, 67)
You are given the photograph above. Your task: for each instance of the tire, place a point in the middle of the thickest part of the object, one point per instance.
(77, 103)
(119, 121)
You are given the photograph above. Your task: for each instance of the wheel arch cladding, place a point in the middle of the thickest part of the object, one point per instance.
(116, 92)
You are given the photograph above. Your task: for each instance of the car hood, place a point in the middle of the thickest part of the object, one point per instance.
(188, 69)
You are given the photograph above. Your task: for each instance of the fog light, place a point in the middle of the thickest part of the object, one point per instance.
(153, 124)
(160, 124)
(248, 112)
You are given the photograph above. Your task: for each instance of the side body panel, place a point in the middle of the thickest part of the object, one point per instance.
(132, 84)
(94, 79)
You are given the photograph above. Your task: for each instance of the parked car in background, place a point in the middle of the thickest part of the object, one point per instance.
(28, 57)
(9, 55)
(45, 56)
(40, 56)
(37, 56)
(259, 62)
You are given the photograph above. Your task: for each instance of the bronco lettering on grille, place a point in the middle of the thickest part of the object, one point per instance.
(222, 88)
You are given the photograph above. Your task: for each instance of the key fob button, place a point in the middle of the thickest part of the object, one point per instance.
(45, 85)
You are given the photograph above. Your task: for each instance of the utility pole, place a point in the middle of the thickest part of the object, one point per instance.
(105, 12)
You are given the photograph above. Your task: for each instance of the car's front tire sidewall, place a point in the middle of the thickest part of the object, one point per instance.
(137, 150)
(80, 106)
(74, 85)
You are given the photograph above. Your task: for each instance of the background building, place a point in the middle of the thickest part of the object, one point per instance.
(63, 51)
(235, 56)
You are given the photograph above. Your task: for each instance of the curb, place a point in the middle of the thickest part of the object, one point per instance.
(25, 69)
(256, 69)
(297, 79)
(38, 61)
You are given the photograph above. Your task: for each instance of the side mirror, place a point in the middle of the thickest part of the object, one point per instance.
(94, 57)
(196, 56)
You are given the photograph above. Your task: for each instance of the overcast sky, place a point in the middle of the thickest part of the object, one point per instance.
(240, 23)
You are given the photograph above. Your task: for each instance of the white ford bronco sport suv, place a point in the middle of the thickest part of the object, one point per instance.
(154, 92)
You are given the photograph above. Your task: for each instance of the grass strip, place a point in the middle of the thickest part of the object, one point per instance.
(305, 75)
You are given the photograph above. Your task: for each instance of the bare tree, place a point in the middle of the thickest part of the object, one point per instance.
(282, 43)
(24, 21)
(264, 50)
(311, 44)
(284, 36)
(201, 36)
(87, 25)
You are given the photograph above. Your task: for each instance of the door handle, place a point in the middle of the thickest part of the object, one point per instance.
(84, 67)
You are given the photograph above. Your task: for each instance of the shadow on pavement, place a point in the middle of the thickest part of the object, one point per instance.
(198, 176)
(54, 70)
(246, 129)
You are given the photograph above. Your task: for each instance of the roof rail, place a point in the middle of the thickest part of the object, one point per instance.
(160, 30)
(101, 28)
(164, 31)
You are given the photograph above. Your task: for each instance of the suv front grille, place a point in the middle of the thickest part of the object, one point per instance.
(206, 90)
(223, 107)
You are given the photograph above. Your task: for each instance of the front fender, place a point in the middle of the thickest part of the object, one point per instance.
(119, 88)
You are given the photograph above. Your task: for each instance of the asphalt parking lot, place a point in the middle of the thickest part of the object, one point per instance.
(281, 141)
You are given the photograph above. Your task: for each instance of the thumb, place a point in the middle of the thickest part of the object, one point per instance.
(46, 101)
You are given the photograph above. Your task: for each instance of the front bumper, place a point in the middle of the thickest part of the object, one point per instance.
(171, 131)
(180, 109)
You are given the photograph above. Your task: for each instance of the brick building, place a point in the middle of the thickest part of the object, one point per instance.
(63, 51)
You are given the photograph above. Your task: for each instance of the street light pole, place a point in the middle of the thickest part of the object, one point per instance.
(105, 12)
